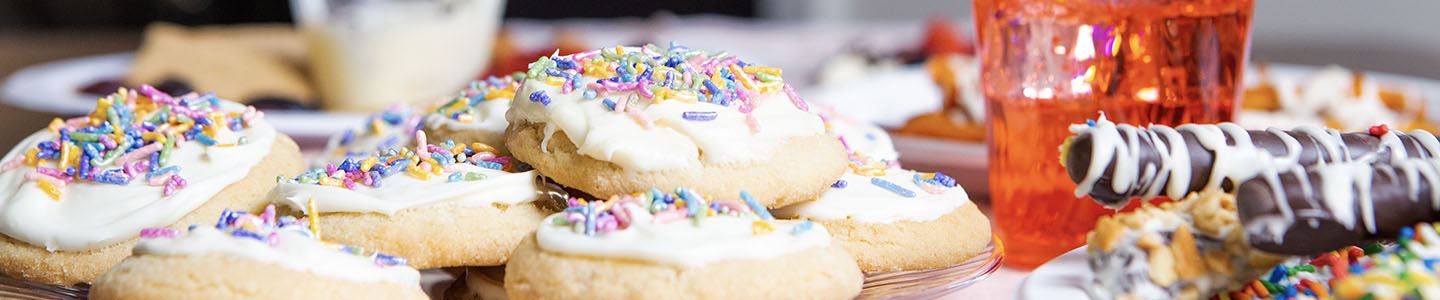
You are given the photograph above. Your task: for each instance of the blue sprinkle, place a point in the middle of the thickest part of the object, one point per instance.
(610, 104)
(554, 72)
(204, 139)
(247, 234)
(564, 63)
(1407, 233)
(390, 260)
(946, 181)
(892, 187)
(802, 227)
(489, 165)
(454, 177)
(711, 86)
(1279, 273)
(539, 96)
(698, 115)
(755, 206)
(1090, 122)
(224, 219)
(839, 184)
(589, 94)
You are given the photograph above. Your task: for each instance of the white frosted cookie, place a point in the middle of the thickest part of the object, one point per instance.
(899, 220)
(860, 137)
(74, 197)
(441, 205)
(621, 120)
(393, 127)
(678, 246)
(475, 115)
(246, 256)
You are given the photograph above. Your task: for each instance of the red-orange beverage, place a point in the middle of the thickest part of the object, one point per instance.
(1051, 63)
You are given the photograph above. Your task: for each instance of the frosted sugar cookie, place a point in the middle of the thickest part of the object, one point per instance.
(246, 256)
(624, 119)
(678, 246)
(476, 114)
(74, 196)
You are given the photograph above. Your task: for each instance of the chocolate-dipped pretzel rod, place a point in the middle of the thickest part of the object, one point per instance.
(1332, 206)
(1114, 163)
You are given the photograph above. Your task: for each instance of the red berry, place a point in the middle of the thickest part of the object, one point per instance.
(1379, 130)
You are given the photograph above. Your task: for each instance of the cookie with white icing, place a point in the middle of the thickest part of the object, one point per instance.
(624, 119)
(393, 127)
(678, 246)
(899, 220)
(476, 114)
(74, 197)
(441, 205)
(246, 256)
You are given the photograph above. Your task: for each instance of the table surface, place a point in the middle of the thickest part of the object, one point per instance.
(24, 48)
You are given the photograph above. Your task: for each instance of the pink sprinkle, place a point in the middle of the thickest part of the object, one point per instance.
(11, 164)
(622, 215)
(734, 206)
(754, 124)
(645, 92)
(160, 180)
(504, 160)
(480, 156)
(77, 122)
(143, 152)
(421, 142)
(587, 54)
(669, 215)
(846, 144)
(179, 182)
(50, 171)
(41, 176)
(567, 87)
(150, 233)
(273, 239)
(606, 223)
(795, 98)
(621, 104)
(641, 118)
(932, 189)
(268, 215)
(575, 218)
(349, 183)
(106, 141)
(330, 169)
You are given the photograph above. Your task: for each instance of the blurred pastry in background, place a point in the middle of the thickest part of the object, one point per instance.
(962, 113)
(249, 63)
(1334, 97)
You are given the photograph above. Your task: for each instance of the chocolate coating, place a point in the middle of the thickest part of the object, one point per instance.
(1357, 144)
(1315, 229)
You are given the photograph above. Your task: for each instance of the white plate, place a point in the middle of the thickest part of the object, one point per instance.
(1064, 277)
(54, 87)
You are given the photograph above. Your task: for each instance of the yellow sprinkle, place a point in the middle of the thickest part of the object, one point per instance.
(760, 227)
(465, 118)
(554, 81)
(153, 136)
(744, 80)
(417, 173)
(459, 148)
(327, 181)
(619, 50)
(49, 189)
(376, 127)
(760, 69)
(368, 163)
(314, 217)
(31, 157)
(482, 147)
(55, 125)
(225, 145)
(69, 155)
(769, 87)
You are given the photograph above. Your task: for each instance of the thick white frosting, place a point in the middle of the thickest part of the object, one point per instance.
(671, 142)
(683, 243)
(862, 137)
(488, 117)
(294, 250)
(402, 191)
(864, 202)
(92, 215)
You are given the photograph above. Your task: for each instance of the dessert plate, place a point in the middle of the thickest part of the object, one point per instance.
(931, 284)
(1064, 277)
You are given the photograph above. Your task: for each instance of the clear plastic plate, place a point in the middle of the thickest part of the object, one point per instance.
(11, 288)
(930, 284)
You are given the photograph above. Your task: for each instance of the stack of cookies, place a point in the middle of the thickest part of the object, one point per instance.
(624, 172)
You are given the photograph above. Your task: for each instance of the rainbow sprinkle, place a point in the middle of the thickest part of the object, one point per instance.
(464, 106)
(394, 125)
(423, 162)
(1406, 269)
(130, 137)
(676, 73)
(598, 217)
(266, 228)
